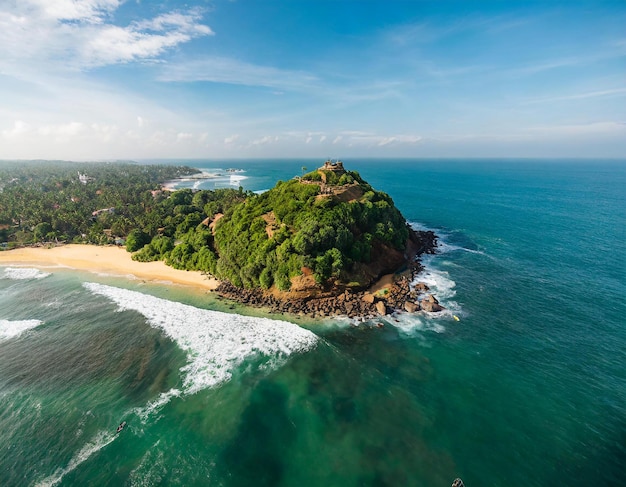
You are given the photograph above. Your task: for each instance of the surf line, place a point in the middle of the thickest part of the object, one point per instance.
(216, 344)
(101, 440)
(104, 438)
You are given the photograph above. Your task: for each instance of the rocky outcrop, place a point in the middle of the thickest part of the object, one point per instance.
(395, 293)
(347, 303)
(430, 304)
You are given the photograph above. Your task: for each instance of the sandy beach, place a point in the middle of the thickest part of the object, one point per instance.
(110, 260)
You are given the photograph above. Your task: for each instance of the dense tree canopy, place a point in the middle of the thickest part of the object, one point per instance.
(321, 224)
(42, 201)
(293, 228)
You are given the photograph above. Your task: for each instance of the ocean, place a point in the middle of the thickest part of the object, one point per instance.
(527, 388)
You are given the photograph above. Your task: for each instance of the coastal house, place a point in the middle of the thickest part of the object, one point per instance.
(83, 178)
(103, 210)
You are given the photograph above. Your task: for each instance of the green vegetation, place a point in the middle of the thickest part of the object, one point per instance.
(297, 227)
(44, 201)
(278, 235)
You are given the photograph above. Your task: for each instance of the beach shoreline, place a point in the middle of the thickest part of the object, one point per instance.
(110, 260)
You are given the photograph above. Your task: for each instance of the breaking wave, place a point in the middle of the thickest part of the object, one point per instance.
(216, 343)
(440, 284)
(11, 329)
(23, 273)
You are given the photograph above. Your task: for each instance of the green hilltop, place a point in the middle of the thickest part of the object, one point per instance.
(328, 227)
(327, 223)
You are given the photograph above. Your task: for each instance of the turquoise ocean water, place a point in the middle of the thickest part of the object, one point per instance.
(527, 389)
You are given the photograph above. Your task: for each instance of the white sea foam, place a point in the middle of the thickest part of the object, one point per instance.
(438, 281)
(420, 227)
(101, 440)
(11, 329)
(236, 180)
(411, 324)
(150, 470)
(440, 284)
(155, 406)
(443, 248)
(216, 343)
(23, 273)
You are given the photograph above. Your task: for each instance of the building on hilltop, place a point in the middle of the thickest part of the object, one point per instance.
(336, 167)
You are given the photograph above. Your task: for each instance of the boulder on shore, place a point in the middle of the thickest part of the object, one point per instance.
(411, 307)
(381, 308)
(369, 298)
(430, 304)
(421, 287)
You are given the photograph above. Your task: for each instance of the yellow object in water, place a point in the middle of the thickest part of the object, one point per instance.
(456, 317)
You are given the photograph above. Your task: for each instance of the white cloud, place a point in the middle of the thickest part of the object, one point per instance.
(63, 130)
(230, 139)
(112, 44)
(19, 128)
(78, 34)
(268, 139)
(399, 139)
(232, 71)
(107, 133)
(322, 138)
(93, 11)
(608, 128)
(140, 122)
(183, 22)
(353, 138)
(581, 96)
(183, 136)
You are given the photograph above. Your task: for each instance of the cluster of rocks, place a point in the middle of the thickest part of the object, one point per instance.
(399, 295)
(347, 303)
(425, 241)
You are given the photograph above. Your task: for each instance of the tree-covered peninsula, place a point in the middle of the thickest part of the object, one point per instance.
(312, 238)
(329, 225)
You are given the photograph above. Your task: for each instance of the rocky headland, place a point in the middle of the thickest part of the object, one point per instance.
(356, 255)
(388, 293)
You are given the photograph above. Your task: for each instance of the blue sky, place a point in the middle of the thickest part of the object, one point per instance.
(114, 79)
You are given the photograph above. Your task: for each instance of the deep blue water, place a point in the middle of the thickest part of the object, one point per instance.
(528, 388)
